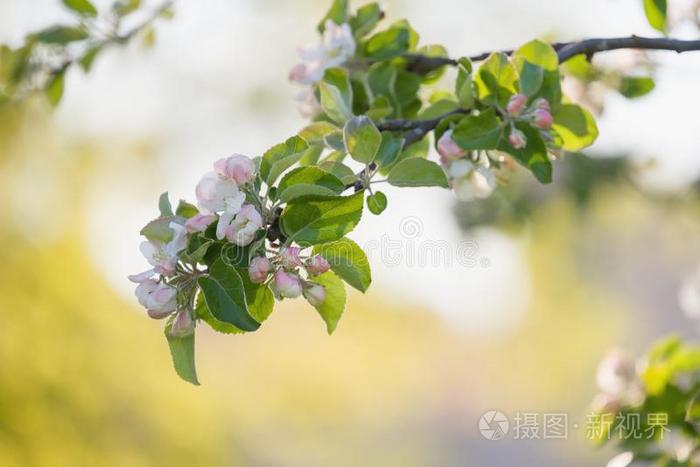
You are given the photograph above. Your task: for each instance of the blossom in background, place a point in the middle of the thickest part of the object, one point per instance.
(619, 383)
(689, 295)
(448, 149)
(471, 180)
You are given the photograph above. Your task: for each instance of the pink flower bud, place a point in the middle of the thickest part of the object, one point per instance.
(517, 139)
(259, 269)
(298, 74)
(317, 265)
(159, 299)
(516, 104)
(315, 294)
(542, 119)
(183, 325)
(289, 257)
(287, 285)
(448, 148)
(238, 168)
(199, 222)
(543, 104)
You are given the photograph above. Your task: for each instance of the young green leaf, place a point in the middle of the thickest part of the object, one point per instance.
(376, 202)
(632, 86)
(313, 220)
(530, 80)
(225, 296)
(82, 7)
(164, 205)
(496, 79)
(54, 91)
(482, 131)
(185, 209)
(575, 126)
(338, 13)
(416, 172)
(61, 35)
(182, 353)
(539, 54)
(333, 306)
(348, 261)
(365, 19)
(279, 158)
(341, 171)
(388, 44)
(159, 229)
(389, 150)
(304, 181)
(336, 94)
(655, 11)
(362, 139)
(533, 156)
(202, 312)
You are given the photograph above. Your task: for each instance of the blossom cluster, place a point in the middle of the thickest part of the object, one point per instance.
(538, 115)
(231, 211)
(619, 383)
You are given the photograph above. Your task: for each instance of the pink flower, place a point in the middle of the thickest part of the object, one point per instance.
(471, 181)
(315, 294)
(259, 269)
(287, 285)
(163, 256)
(317, 265)
(542, 119)
(543, 104)
(238, 168)
(517, 139)
(158, 298)
(448, 148)
(199, 222)
(183, 325)
(336, 47)
(307, 103)
(215, 194)
(516, 104)
(244, 227)
(289, 257)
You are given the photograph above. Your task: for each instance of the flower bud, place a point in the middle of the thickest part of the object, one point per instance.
(159, 299)
(516, 104)
(199, 222)
(259, 269)
(298, 74)
(289, 257)
(517, 139)
(287, 285)
(317, 265)
(183, 325)
(315, 294)
(448, 148)
(542, 119)
(542, 104)
(238, 168)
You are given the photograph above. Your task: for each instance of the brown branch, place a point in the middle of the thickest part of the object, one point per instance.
(422, 64)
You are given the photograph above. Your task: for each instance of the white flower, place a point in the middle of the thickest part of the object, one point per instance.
(163, 256)
(689, 295)
(471, 181)
(159, 299)
(219, 194)
(618, 380)
(307, 104)
(621, 460)
(244, 227)
(336, 47)
(237, 167)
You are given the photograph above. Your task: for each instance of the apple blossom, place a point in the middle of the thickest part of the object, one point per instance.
(183, 324)
(516, 104)
(163, 256)
(199, 222)
(158, 298)
(470, 180)
(237, 167)
(689, 295)
(542, 119)
(317, 265)
(287, 285)
(336, 47)
(448, 148)
(308, 105)
(617, 377)
(216, 194)
(315, 294)
(289, 257)
(542, 103)
(244, 227)
(517, 139)
(259, 269)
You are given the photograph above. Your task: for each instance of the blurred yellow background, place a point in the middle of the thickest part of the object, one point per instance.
(86, 377)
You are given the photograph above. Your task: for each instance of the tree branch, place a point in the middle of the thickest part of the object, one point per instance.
(422, 64)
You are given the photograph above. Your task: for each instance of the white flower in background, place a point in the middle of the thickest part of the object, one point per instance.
(199, 222)
(219, 194)
(163, 256)
(158, 298)
(243, 228)
(621, 460)
(448, 149)
(618, 382)
(336, 47)
(689, 295)
(307, 103)
(471, 180)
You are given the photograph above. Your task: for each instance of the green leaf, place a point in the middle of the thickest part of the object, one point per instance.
(417, 172)
(388, 44)
(438, 108)
(433, 50)
(655, 11)
(389, 150)
(316, 132)
(88, 58)
(54, 90)
(348, 261)
(182, 353)
(83, 7)
(202, 312)
(336, 94)
(575, 126)
(197, 247)
(159, 229)
(533, 156)
(124, 7)
(310, 221)
(496, 79)
(464, 85)
(61, 35)
(304, 181)
(362, 139)
(186, 210)
(365, 19)
(279, 158)
(333, 306)
(338, 13)
(376, 202)
(539, 54)
(259, 297)
(225, 296)
(530, 80)
(380, 108)
(341, 171)
(164, 205)
(632, 86)
(483, 131)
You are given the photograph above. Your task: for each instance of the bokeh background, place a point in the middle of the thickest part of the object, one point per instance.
(578, 268)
